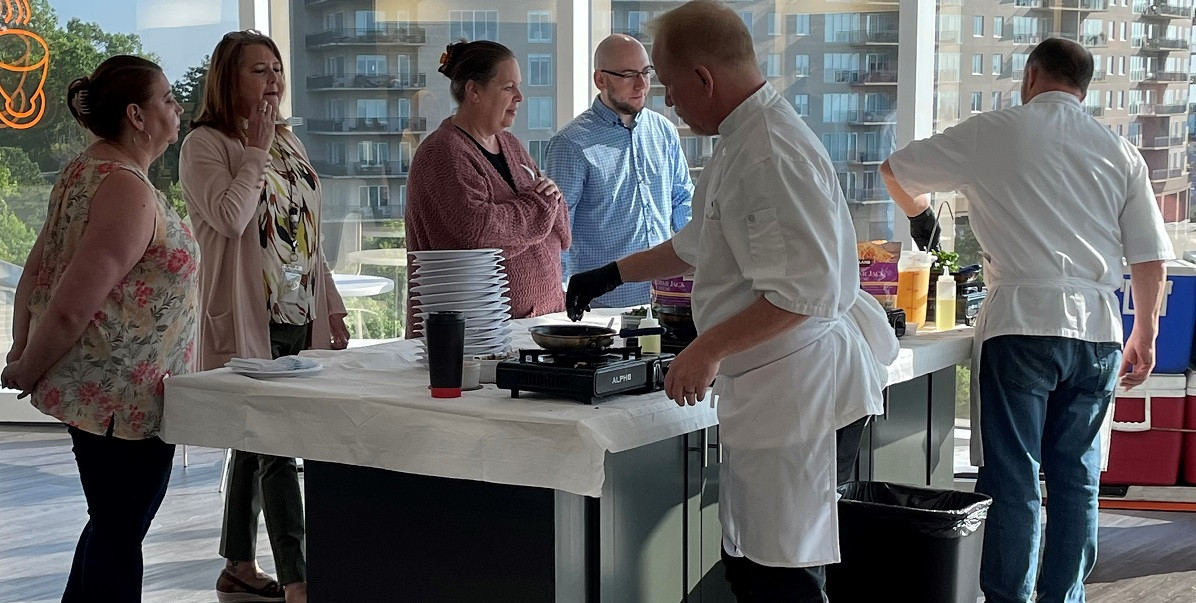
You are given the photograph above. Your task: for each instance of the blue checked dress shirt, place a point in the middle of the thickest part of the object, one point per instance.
(628, 189)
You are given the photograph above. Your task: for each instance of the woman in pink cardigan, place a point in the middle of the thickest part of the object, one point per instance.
(265, 288)
(472, 184)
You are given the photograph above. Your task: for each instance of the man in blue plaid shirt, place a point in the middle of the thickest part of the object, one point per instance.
(621, 170)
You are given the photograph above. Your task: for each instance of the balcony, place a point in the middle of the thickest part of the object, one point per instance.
(876, 77)
(1094, 110)
(639, 34)
(869, 37)
(1159, 142)
(1166, 174)
(1087, 40)
(1099, 76)
(1159, 110)
(1079, 5)
(363, 81)
(1159, 44)
(1167, 12)
(864, 195)
(349, 169)
(368, 125)
(380, 33)
(1166, 76)
(874, 118)
(867, 157)
(1026, 38)
(846, 76)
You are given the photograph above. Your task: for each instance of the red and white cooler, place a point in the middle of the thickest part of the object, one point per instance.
(1147, 443)
(1189, 463)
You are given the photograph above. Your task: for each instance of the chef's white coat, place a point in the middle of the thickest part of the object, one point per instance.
(770, 219)
(1056, 201)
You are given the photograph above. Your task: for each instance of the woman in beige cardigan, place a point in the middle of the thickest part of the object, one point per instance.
(266, 291)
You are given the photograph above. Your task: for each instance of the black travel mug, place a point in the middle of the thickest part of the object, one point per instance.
(444, 338)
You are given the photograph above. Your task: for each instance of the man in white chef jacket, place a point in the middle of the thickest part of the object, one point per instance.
(797, 348)
(1056, 201)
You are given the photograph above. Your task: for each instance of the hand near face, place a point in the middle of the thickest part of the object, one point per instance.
(261, 126)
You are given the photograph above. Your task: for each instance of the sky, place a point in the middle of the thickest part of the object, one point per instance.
(180, 32)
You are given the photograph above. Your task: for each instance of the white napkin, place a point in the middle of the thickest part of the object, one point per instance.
(283, 363)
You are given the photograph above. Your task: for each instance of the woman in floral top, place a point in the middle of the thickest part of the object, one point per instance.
(105, 310)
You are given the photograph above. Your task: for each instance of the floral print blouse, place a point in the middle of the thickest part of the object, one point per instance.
(145, 329)
(288, 219)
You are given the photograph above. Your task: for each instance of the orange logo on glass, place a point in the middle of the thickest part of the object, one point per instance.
(24, 65)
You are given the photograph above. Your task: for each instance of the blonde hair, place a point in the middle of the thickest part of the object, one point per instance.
(704, 29)
(218, 110)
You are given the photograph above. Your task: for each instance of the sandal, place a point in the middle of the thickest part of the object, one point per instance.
(231, 589)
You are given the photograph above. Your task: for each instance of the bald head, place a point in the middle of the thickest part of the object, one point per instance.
(616, 50)
(705, 32)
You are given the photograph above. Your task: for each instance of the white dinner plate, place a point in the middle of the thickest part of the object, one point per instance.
(457, 287)
(452, 277)
(479, 330)
(484, 260)
(267, 374)
(478, 316)
(475, 297)
(452, 254)
(468, 309)
(470, 271)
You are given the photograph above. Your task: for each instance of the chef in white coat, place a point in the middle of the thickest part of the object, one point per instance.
(798, 349)
(1056, 201)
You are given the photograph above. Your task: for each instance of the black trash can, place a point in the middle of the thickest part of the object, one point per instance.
(907, 543)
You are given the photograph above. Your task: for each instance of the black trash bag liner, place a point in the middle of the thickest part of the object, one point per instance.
(939, 513)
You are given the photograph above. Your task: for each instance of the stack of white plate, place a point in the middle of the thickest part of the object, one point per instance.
(470, 281)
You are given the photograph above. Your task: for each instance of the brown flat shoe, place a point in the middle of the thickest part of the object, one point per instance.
(231, 589)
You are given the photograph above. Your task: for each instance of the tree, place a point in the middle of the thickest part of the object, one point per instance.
(75, 51)
(21, 168)
(16, 239)
(188, 91)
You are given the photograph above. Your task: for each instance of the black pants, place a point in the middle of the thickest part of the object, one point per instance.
(752, 582)
(124, 482)
(258, 482)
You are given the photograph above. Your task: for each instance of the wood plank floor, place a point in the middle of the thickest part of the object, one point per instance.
(1145, 557)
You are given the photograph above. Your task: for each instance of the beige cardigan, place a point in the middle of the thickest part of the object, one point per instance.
(222, 184)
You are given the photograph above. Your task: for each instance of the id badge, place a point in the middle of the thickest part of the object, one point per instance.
(292, 274)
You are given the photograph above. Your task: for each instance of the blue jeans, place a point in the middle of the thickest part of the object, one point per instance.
(1043, 402)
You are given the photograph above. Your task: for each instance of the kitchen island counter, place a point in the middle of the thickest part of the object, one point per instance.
(486, 497)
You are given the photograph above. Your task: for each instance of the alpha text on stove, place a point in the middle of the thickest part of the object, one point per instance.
(583, 376)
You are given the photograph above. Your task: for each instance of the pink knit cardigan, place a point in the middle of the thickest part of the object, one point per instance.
(457, 200)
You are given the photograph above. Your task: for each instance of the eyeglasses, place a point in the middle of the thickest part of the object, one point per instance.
(631, 73)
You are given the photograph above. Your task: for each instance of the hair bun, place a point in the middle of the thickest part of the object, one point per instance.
(446, 61)
(77, 92)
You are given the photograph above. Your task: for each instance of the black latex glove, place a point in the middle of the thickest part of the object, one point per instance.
(585, 286)
(924, 228)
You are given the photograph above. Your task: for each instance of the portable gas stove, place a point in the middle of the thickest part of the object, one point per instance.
(584, 376)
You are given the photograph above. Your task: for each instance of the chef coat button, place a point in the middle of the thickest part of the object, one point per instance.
(751, 219)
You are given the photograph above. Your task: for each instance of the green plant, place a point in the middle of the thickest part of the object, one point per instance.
(945, 262)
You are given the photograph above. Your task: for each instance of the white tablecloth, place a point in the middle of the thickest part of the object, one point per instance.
(370, 407)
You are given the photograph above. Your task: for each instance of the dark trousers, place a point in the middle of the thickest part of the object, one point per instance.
(752, 582)
(263, 482)
(124, 482)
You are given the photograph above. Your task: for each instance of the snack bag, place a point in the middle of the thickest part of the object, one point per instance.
(878, 270)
